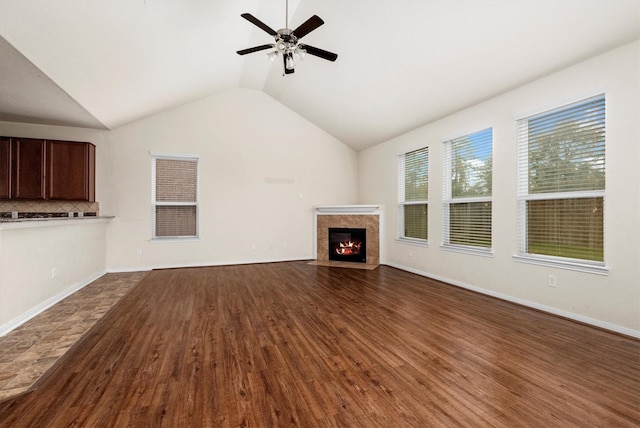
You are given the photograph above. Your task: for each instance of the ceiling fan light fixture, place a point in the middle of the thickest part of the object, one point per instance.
(289, 62)
(272, 56)
(301, 53)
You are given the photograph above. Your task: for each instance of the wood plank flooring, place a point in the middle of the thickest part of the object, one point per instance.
(291, 344)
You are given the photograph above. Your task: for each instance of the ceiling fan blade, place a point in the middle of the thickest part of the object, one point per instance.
(254, 49)
(255, 21)
(308, 26)
(321, 53)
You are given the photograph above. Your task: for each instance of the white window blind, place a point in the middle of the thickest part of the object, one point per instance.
(174, 196)
(468, 164)
(413, 194)
(561, 183)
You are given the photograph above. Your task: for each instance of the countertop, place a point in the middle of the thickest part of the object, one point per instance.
(23, 223)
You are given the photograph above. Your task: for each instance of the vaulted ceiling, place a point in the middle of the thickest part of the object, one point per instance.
(401, 63)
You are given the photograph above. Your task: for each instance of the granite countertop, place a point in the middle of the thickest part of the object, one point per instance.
(28, 222)
(19, 219)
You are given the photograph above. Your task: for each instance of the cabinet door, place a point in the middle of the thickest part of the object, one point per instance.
(28, 169)
(70, 171)
(5, 167)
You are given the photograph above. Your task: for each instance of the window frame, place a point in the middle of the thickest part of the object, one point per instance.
(524, 196)
(402, 202)
(448, 199)
(154, 203)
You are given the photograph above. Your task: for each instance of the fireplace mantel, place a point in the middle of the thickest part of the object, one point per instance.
(348, 209)
(357, 216)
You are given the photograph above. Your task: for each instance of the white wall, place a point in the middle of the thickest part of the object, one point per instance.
(611, 301)
(41, 263)
(262, 168)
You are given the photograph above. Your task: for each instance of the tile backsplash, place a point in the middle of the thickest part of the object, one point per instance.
(49, 207)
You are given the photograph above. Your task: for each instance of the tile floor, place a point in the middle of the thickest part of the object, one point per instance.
(31, 349)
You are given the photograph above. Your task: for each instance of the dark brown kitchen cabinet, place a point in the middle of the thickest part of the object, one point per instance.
(5, 168)
(70, 171)
(28, 168)
(37, 169)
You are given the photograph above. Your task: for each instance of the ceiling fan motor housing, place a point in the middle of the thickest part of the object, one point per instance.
(286, 41)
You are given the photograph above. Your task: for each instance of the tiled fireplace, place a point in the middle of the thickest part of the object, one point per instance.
(352, 226)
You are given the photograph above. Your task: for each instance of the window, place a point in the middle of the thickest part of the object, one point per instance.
(413, 188)
(561, 184)
(174, 196)
(467, 191)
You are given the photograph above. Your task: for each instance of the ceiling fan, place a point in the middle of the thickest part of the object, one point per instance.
(287, 41)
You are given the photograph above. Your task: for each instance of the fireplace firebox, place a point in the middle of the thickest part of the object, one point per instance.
(348, 245)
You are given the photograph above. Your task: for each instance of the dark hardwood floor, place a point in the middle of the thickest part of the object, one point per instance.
(290, 344)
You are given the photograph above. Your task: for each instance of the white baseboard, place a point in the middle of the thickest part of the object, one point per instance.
(17, 322)
(576, 317)
(204, 264)
(130, 269)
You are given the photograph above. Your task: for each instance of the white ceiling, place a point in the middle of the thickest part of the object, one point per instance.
(401, 63)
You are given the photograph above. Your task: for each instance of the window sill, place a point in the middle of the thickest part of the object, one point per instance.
(595, 268)
(174, 239)
(413, 241)
(475, 251)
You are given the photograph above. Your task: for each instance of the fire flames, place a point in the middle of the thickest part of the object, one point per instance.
(348, 248)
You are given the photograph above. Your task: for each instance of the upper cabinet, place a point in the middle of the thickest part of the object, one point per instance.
(37, 169)
(28, 164)
(70, 171)
(5, 168)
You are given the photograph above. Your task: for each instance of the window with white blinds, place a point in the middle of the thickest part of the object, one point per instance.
(413, 191)
(561, 183)
(174, 196)
(468, 172)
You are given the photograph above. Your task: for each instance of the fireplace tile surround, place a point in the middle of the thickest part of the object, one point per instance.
(348, 216)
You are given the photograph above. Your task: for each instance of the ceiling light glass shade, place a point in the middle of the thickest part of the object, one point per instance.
(289, 62)
(272, 55)
(301, 53)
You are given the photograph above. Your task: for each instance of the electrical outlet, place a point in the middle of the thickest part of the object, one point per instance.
(552, 281)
